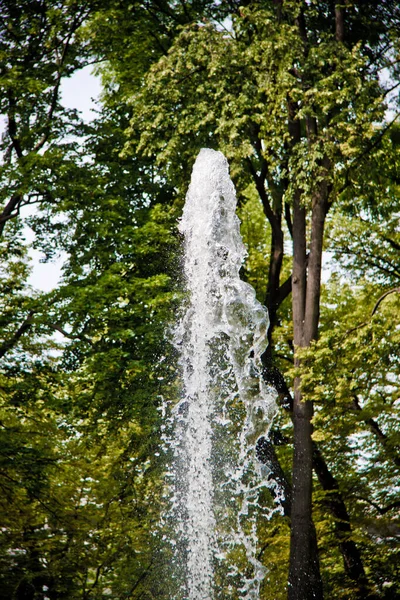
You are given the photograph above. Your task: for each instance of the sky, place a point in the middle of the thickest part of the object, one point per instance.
(79, 91)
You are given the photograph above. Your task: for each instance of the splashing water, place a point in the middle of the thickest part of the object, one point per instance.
(225, 405)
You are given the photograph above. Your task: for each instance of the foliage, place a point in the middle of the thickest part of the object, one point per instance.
(80, 426)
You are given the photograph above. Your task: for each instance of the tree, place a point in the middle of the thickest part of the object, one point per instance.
(291, 94)
(79, 420)
(40, 45)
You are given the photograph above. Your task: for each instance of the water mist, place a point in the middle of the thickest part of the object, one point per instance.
(225, 405)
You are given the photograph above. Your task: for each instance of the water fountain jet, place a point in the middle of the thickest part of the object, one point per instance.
(225, 405)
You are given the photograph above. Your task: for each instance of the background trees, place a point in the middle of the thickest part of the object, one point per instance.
(79, 476)
(295, 95)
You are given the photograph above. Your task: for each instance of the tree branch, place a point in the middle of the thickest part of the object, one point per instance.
(140, 579)
(70, 336)
(284, 290)
(258, 180)
(339, 22)
(381, 511)
(10, 211)
(377, 431)
(391, 242)
(288, 219)
(26, 325)
(76, 23)
(395, 290)
(12, 125)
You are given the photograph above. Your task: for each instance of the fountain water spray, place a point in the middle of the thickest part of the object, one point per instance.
(225, 405)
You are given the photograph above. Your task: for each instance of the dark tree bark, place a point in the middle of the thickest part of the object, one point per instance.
(282, 490)
(304, 577)
(335, 503)
(305, 581)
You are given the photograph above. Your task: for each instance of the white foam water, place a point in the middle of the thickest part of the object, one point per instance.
(225, 405)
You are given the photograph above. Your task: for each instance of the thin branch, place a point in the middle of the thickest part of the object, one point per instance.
(365, 323)
(74, 26)
(263, 195)
(395, 290)
(12, 125)
(288, 219)
(396, 85)
(70, 336)
(356, 328)
(140, 579)
(372, 260)
(284, 290)
(282, 490)
(384, 51)
(6, 26)
(381, 511)
(391, 243)
(11, 210)
(26, 325)
(377, 431)
(284, 357)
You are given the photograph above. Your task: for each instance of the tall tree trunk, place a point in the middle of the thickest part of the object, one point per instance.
(335, 503)
(304, 577)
